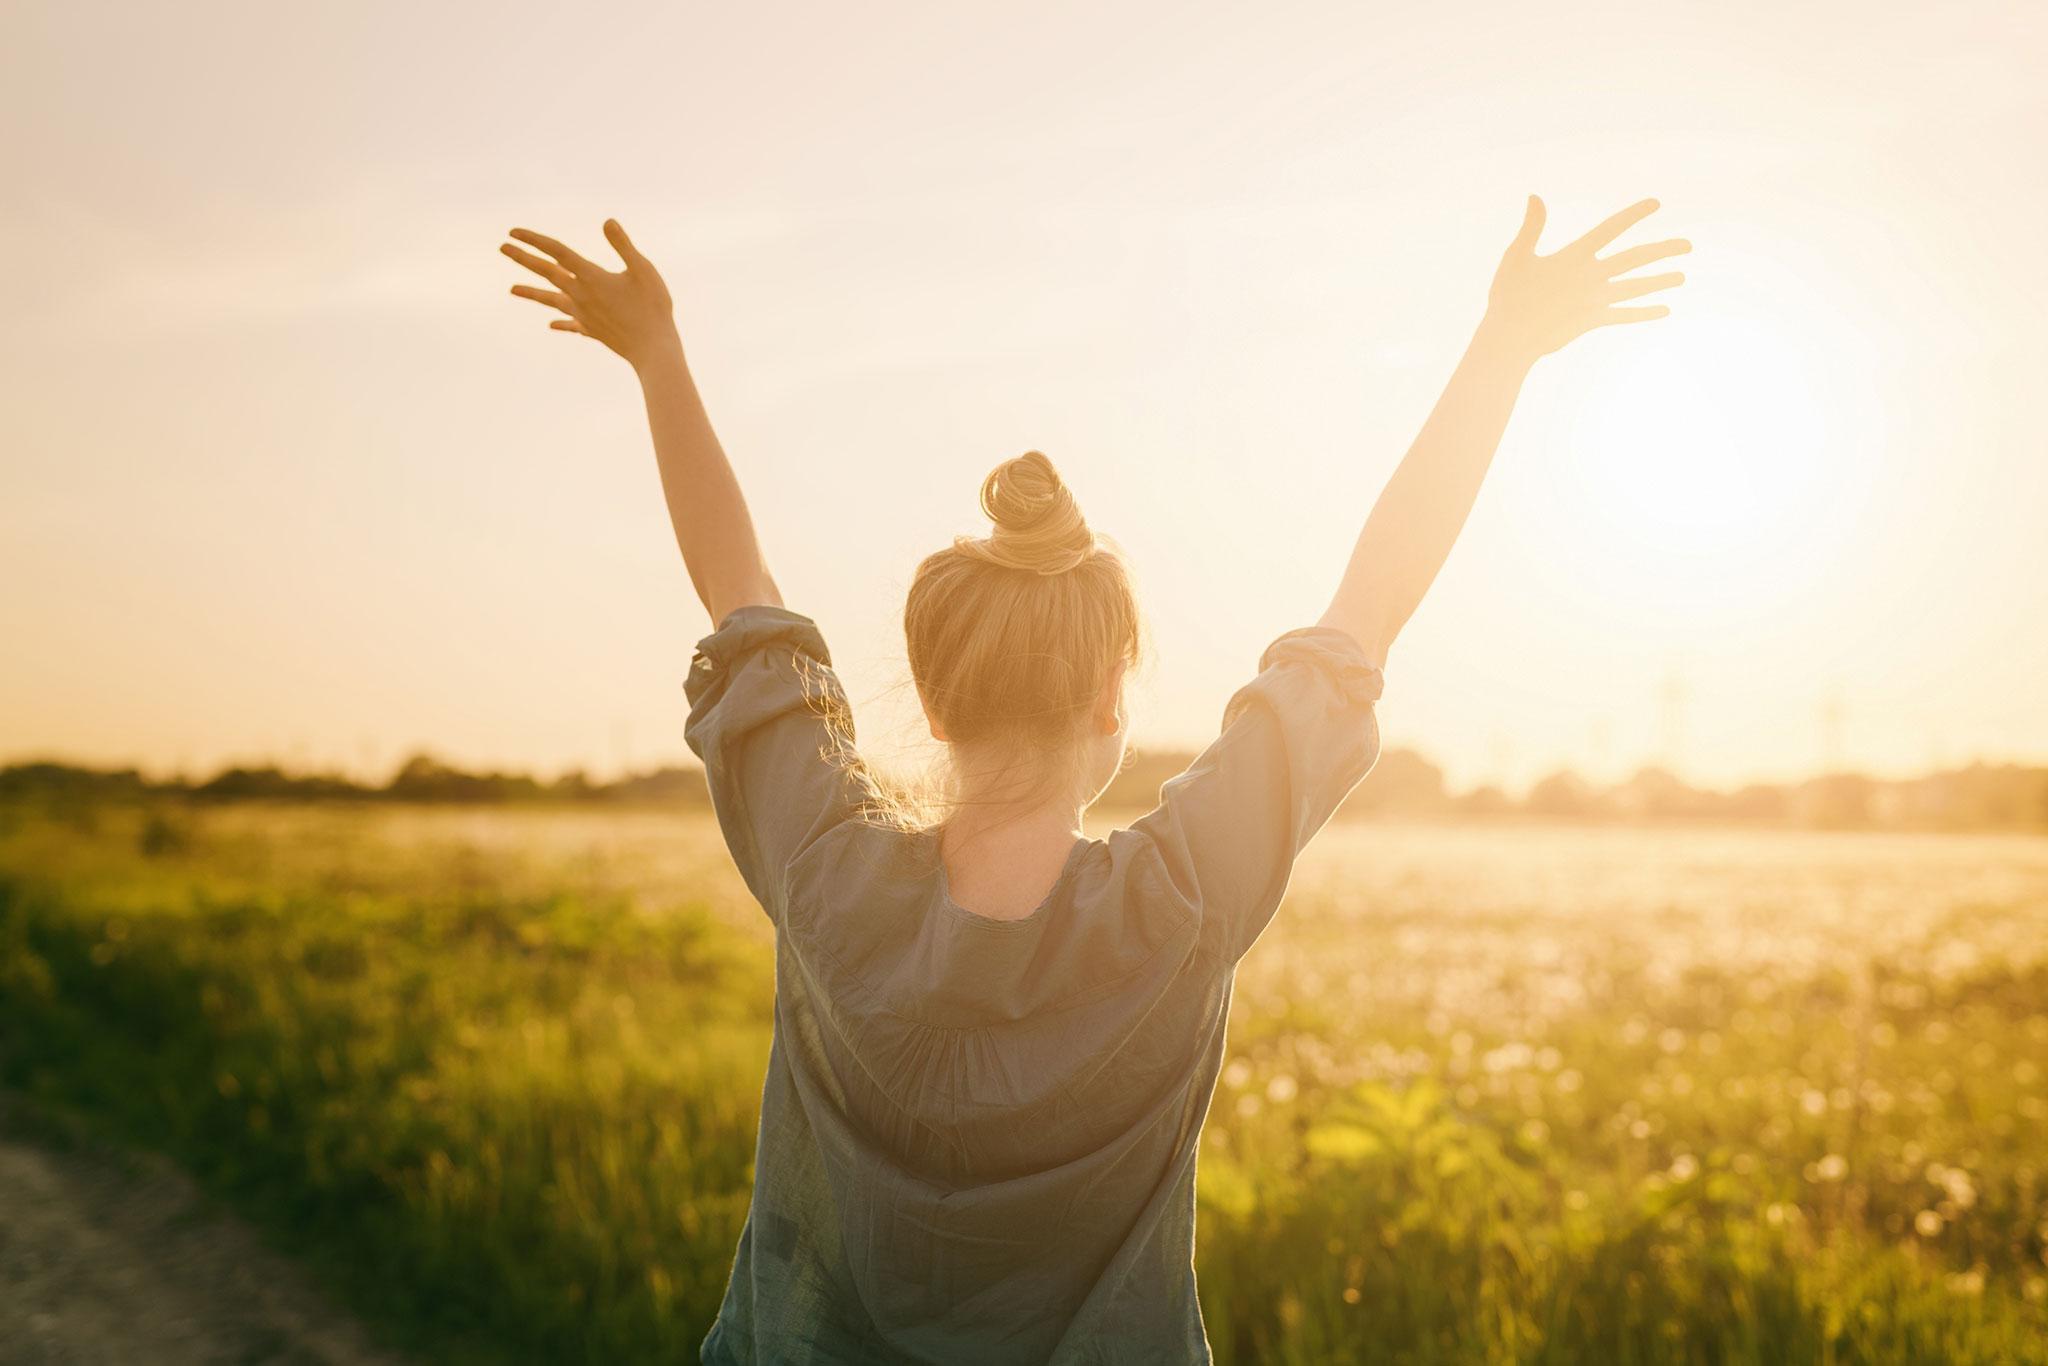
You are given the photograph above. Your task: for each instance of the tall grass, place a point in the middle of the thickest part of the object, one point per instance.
(1495, 1095)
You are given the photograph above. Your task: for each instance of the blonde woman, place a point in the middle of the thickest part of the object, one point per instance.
(996, 1038)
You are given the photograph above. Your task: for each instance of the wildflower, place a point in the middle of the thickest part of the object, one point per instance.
(1507, 1058)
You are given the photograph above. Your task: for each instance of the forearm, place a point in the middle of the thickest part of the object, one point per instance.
(705, 505)
(1419, 514)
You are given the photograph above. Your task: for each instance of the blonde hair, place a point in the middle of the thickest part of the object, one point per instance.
(1013, 635)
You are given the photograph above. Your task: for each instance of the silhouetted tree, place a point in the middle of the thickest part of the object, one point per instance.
(1563, 793)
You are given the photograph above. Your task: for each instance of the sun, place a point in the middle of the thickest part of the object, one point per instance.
(1711, 452)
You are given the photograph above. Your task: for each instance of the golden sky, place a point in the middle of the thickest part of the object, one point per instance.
(287, 474)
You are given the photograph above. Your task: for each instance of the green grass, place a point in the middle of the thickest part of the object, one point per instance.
(1496, 1094)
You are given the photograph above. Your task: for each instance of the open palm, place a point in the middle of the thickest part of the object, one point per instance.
(628, 310)
(1544, 302)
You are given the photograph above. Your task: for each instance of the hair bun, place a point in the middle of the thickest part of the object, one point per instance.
(1038, 525)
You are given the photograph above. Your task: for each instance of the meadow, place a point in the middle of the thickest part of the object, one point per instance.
(1498, 1092)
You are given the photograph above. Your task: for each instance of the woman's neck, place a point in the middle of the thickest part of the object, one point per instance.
(988, 826)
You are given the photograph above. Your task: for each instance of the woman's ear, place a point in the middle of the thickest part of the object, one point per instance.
(1108, 710)
(938, 731)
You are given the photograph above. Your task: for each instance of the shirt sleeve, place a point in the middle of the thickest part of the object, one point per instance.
(771, 722)
(1295, 741)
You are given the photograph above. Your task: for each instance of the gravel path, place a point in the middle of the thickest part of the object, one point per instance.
(116, 1261)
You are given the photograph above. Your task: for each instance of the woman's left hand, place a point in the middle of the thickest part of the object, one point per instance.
(628, 310)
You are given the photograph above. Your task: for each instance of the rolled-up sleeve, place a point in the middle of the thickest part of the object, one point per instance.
(1295, 741)
(771, 722)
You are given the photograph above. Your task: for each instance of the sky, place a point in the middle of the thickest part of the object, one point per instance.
(288, 476)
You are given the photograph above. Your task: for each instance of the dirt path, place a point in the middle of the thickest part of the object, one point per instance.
(113, 1261)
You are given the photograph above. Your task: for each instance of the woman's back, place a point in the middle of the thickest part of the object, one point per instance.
(978, 1135)
(982, 1125)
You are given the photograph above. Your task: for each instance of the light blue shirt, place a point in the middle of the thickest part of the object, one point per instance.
(978, 1136)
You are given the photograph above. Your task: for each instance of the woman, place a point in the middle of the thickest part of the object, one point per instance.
(996, 1038)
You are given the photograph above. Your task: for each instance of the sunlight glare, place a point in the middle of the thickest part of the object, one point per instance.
(1711, 450)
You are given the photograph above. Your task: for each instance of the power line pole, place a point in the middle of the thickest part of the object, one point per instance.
(1672, 701)
(1834, 718)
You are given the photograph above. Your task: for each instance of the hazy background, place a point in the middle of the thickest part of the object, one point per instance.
(287, 474)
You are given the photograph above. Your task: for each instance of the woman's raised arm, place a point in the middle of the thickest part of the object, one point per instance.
(1537, 305)
(630, 311)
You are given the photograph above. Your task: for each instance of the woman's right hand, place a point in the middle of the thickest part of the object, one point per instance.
(628, 310)
(1540, 303)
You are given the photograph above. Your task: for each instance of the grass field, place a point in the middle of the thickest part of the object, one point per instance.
(1497, 1093)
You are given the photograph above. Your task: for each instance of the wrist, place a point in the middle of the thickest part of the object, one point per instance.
(659, 354)
(1498, 342)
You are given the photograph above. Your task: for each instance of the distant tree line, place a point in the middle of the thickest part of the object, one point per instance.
(1403, 784)
(1978, 796)
(422, 778)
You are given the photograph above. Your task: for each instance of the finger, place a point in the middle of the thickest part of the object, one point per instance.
(1624, 261)
(567, 256)
(623, 245)
(1532, 226)
(1648, 313)
(546, 269)
(569, 325)
(1614, 226)
(545, 296)
(1644, 284)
